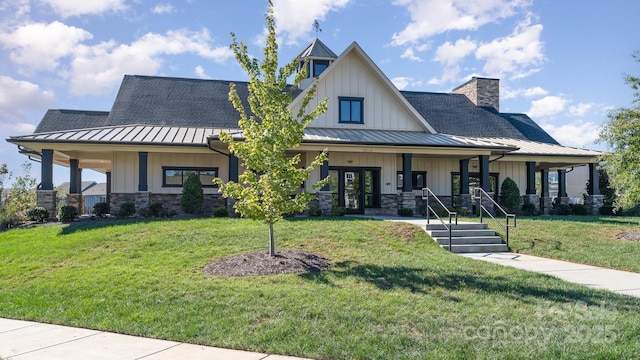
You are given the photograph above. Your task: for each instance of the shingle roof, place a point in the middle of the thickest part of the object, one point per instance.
(455, 114)
(529, 128)
(317, 49)
(56, 120)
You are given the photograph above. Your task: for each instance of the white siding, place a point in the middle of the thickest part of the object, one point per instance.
(438, 172)
(353, 78)
(124, 172)
(517, 171)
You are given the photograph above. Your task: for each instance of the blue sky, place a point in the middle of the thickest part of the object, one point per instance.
(561, 62)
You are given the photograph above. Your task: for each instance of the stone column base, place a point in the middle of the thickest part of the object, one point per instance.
(545, 205)
(563, 200)
(532, 199)
(325, 202)
(464, 202)
(47, 199)
(230, 209)
(488, 204)
(77, 201)
(143, 200)
(408, 200)
(594, 203)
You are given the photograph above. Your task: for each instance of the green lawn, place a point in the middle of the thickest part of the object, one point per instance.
(584, 239)
(391, 293)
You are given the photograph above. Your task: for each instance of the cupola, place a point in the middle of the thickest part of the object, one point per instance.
(318, 57)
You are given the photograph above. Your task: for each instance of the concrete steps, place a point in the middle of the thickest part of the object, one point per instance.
(467, 238)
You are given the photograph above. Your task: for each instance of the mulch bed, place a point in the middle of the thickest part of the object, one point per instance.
(260, 263)
(631, 235)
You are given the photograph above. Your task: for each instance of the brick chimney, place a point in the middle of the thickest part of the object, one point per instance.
(481, 91)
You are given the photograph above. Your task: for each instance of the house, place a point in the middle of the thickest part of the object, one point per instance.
(384, 144)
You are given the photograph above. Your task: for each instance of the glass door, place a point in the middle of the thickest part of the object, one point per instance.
(353, 191)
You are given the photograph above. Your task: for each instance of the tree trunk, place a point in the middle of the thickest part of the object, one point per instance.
(272, 243)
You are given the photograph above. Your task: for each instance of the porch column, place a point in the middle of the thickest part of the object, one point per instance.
(325, 198)
(74, 197)
(530, 196)
(108, 200)
(545, 200)
(594, 200)
(562, 187)
(142, 171)
(143, 196)
(233, 168)
(45, 195)
(407, 199)
(464, 199)
(484, 172)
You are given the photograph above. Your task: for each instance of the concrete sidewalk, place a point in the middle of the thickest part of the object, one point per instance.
(621, 282)
(23, 340)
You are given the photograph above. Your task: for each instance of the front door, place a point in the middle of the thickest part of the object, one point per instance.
(355, 188)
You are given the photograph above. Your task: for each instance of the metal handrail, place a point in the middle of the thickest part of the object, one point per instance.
(478, 194)
(452, 214)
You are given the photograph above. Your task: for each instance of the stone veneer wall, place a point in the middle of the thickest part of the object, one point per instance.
(77, 201)
(171, 202)
(118, 199)
(47, 200)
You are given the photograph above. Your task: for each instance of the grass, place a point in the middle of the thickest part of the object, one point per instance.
(583, 239)
(391, 293)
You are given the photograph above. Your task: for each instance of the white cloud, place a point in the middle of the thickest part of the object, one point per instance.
(449, 74)
(67, 8)
(40, 46)
(409, 55)
(295, 18)
(199, 71)
(529, 92)
(451, 54)
(431, 17)
(576, 134)
(18, 97)
(98, 69)
(518, 54)
(581, 109)
(163, 9)
(547, 106)
(401, 82)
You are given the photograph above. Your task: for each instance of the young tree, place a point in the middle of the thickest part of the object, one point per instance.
(22, 195)
(622, 135)
(269, 186)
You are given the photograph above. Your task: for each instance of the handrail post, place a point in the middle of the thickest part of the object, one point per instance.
(480, 206)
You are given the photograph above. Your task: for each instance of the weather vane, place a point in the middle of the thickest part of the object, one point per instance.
(316, 25)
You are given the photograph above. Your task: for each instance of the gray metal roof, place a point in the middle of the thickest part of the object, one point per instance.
(527, 147)
(317, 49)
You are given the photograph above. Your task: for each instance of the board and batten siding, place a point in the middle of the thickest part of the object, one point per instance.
(353, 78)
(124, 173)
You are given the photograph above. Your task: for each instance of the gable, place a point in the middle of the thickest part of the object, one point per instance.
(353, 75)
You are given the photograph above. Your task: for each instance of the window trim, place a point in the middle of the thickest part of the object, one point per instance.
(187, 168)
(350, 100)
(414, 177)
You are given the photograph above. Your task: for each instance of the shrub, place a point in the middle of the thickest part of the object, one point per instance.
(67, 213)
(463, 211)
(509, 194)
(562, 209)
(38, 214)
(8, 220)
(529, 209)
(580, 209)
(606, 210)
(314, 211)
(338, 211)
(192, 194)
(127, 209)
(156, 209)
(101, 209)
(221, 211)
(406, 212)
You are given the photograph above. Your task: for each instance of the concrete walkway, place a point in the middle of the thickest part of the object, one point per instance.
(25, 340)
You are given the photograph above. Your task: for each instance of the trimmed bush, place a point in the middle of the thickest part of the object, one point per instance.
(101, 209)
(509, 194)
(606, 210)
(192, 194)
(127, 209)
(220, 211)
(38, 214)
(314, 211)
(463, 211)
(156, 209)
(405, 212)
(562, 209)
(423, 210)
(67, 213)
(7, 220)
(338, 211)
(580, 209)
(529, 209)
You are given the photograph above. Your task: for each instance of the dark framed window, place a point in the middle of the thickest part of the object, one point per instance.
(351, 110)
(418, 180)
(175, 176)
(319, 66)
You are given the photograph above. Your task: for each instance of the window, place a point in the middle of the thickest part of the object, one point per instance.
(175, 176)
(418, 180)
(351, 110)
(319, 66)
